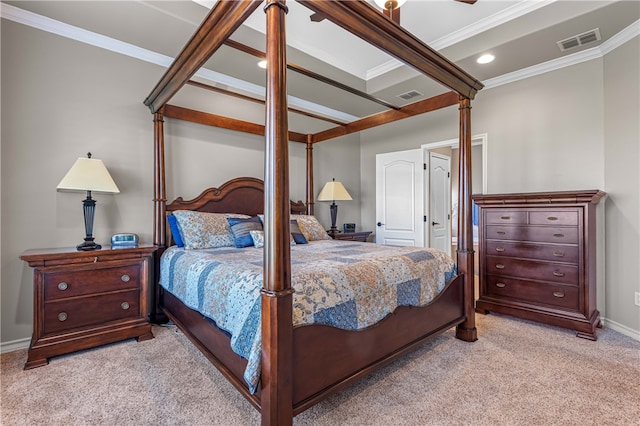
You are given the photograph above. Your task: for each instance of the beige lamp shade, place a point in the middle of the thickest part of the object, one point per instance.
(88, 174)
(334, 191)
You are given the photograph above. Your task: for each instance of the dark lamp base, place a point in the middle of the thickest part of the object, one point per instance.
(88, 246)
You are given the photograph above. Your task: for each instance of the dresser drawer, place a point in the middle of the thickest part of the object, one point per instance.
(59, 285)
(531, 269)
(543, 234)
(506, 217)
(558, 253)
(86, 311)
(534, 292)
(547, 217)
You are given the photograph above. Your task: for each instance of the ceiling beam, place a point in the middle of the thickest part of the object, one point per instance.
(223, 19)
(416, 108)
(186, 114)
(261, 101)
(293, 67)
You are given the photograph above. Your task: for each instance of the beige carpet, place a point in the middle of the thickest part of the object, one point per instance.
(517, 373)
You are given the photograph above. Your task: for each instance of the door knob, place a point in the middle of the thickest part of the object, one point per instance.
(379, 223)
(435, 223)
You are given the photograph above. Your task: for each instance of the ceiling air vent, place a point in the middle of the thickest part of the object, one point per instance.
(410, 95)
(579, 40)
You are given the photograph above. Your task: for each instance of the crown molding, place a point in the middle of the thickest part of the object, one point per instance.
(43, 23)
(613, 43)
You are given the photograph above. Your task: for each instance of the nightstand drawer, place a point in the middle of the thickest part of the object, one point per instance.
(531, 269)
(88, 311)
(59, 285)
(538, 293)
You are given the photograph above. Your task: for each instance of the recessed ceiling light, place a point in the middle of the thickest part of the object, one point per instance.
(263, 64)
(485, 59)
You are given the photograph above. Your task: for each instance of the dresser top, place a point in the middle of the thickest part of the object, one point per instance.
(592, 196)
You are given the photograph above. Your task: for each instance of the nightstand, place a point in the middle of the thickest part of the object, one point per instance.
(350, 236)
(83, 299)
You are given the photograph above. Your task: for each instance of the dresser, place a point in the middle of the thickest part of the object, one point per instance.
(538, 257)
(84, 299)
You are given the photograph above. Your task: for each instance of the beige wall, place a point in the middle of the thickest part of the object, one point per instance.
(622, 182)
(61, 98)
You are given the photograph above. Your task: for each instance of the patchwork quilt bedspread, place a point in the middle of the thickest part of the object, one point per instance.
(349, 285)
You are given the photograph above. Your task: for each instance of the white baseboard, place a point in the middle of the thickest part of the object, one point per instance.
(634, 334)
(14, 345)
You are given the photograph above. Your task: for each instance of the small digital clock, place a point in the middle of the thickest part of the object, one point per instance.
(124, 240)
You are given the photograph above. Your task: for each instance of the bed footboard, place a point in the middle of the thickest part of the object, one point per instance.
(326, 359)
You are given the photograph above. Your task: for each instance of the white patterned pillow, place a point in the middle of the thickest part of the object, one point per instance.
(258, 238)
(205, 230)
(311, 228)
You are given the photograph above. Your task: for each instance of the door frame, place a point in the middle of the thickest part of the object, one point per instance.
(480, 139)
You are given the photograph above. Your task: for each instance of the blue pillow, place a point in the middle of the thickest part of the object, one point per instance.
(175, 231)
(296, 233)
(241, 229)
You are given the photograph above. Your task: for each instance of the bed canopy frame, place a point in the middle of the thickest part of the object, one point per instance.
(366, 22)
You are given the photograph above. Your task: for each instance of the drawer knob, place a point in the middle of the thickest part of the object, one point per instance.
(505, 217)
(559, 294)
(124, 305)
(558, 274)
(499, 266)
(501, 285)
(62, 316)
(499, 249)
(552, 218)
(558, 253)
(500, 232)
(63, 286)
(125, 278)
(558, 235)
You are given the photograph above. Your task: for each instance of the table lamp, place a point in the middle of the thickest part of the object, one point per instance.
(333, 191)
(88, 174)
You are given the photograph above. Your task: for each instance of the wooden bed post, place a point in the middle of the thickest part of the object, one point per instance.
(310, 191)
(276, 397)
(160, 196)
(466, 330)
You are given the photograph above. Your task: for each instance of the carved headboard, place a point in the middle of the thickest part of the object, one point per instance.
(243, 195)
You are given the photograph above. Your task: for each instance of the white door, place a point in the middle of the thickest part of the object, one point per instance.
(439, 220)
(399, 198)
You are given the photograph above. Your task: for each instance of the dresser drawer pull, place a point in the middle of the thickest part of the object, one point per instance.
(558, 294)
(558, 235)
(62, 316)
(124, 305)
(499, 266)
(505, 217)
(63, 286)
(558, 253)
(499, 249)
(125, 278)
(552, 218)
(500, 232)
(501, 285)
(558, 274)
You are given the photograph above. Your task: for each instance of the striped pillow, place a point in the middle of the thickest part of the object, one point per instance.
(241, 229)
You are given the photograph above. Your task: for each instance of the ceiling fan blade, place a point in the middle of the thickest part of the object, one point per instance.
(317, 17)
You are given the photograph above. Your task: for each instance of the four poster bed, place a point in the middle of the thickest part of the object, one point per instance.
(303, 355)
